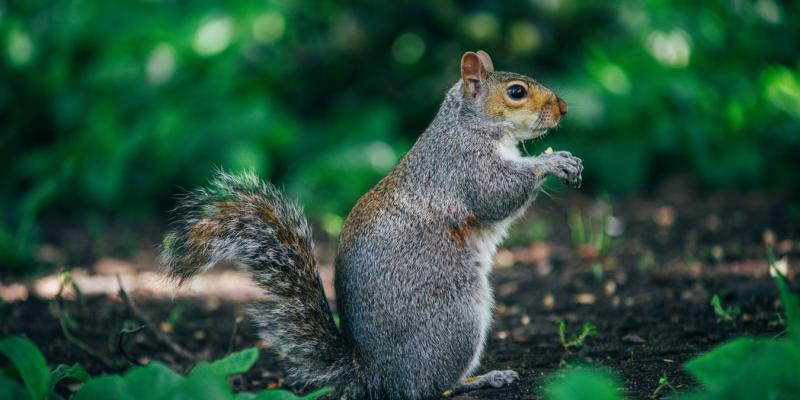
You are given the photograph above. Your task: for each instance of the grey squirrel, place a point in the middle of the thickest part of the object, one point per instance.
(414, 255)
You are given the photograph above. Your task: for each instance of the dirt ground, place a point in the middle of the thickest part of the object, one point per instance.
(647, 292)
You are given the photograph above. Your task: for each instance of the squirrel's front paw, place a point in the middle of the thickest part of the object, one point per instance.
(563, 165)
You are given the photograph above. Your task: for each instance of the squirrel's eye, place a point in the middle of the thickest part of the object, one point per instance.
(516, 92)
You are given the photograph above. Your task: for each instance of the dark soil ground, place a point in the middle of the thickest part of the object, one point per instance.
(647, 293)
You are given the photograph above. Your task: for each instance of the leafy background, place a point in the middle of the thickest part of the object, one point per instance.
(107, 108)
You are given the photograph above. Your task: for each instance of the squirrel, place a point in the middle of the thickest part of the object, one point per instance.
(414, 254)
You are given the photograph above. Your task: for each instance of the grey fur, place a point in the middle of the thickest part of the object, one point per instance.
(407, 294)
(298, 322)
(412, 265)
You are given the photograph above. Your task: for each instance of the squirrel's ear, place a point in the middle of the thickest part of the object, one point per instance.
(475, 68)
(486, 60)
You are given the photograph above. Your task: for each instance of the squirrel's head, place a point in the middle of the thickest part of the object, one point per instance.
(529, 107)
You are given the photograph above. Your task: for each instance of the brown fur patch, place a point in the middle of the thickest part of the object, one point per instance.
(196, 237)
(461, 232)
(369, 206)
(255, 206)
(285, 233)
(206, 229)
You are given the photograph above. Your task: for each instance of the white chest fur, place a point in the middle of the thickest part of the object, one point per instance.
(484, 243)
(507, 148)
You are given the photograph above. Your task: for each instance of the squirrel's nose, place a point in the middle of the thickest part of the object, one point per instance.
(562, 106)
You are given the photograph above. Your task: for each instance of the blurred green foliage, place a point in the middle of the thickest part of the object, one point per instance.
(206, 380)
(580, 382)
(108, 107)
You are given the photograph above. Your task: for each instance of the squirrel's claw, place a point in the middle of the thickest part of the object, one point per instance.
(564, 166)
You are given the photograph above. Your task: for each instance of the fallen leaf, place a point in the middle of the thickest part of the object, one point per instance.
(633, 338)
(585, 298)
(549, 301)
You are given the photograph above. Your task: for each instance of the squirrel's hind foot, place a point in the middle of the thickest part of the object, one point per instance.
(491, 379)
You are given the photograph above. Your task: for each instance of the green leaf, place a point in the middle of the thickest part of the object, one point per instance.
(63, 371)
(152, 381)
(12, 390)
(715, 367)
(582, 383)
(157, 381)
(273, 394)
(317, 393)
(747, 368)
(109, 387)
(236, 363)
(204, 382)
(29, 362)
(281, 394)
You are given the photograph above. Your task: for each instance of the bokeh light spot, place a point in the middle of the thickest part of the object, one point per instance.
(20, 47)
(634, 16)
(524, 37)
(769, 11)
(614, 79)
(269, 27)
(160, 64)
(347, 33)
(408, 48)
(381, 156)
(672, 49)
(213, 36)
(332, 223)
(482, 26)
(782, 89)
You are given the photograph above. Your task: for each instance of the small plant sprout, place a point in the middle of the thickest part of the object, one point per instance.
(663, 383)
(576, 342)
(647, 261)
(592, 233)
(597, 271)
(723, 314)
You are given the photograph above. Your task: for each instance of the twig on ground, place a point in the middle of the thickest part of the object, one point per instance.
(120, 343)
(237, 380)
(232, 340)
(161, 336)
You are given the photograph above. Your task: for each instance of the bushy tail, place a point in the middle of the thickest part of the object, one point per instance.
(242, 219)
